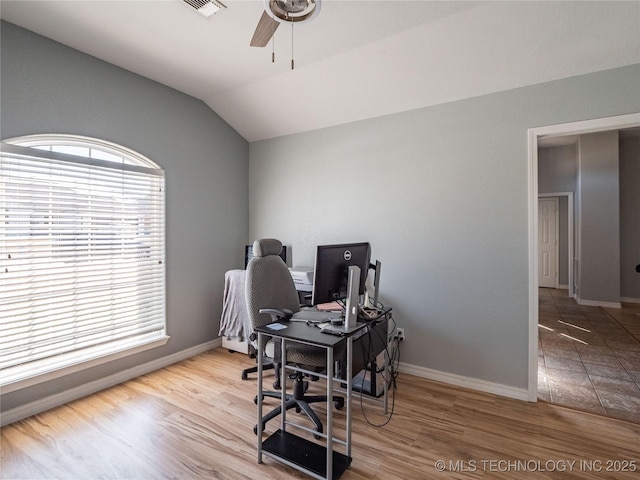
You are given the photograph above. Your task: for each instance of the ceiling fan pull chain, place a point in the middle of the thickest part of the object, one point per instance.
(292, 46)
(273, 48)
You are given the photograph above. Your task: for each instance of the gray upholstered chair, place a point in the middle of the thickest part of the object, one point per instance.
(271, 295)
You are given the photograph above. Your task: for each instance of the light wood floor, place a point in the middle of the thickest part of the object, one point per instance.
(194, 420)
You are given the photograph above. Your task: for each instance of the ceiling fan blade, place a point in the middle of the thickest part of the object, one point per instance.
(264, 31)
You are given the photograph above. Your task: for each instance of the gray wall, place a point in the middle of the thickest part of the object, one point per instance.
(441, 193)
(49, 88)
(629, 217)
(557, 172)
(557, 169)
(599, 217)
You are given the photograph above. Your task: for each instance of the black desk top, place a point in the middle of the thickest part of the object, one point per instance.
(307, 333)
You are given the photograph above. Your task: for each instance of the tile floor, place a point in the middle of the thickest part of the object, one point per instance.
(589, 357)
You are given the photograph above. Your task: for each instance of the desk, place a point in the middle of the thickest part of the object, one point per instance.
(311, 458)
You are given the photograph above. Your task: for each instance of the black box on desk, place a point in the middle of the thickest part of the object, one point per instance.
(362, 382)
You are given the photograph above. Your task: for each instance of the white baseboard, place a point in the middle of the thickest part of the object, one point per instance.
(630, 300)
(61, 398)
(67, 396)
(597, 303)
(563, 287)
(466, 382)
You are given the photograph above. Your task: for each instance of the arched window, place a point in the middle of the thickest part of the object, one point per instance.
(82, 268)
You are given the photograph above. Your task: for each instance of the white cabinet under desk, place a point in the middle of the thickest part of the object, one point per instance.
(317, 460)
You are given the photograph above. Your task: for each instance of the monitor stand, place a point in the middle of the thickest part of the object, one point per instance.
(351, 313)
(373, 291)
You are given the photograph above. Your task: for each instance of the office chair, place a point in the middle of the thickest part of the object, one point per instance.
(271, 296)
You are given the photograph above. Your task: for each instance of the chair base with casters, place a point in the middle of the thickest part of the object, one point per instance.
(297, 400)
(267, 365)
(247, 371)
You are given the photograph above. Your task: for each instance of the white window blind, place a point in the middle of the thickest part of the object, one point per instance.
(82, 270)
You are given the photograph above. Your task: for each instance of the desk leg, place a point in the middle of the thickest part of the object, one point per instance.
(349, 377)
(260, 426)
(283, 384)
(385, 381)
(329, 413)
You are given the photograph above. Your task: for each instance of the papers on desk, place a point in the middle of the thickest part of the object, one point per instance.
(329, 307)
(276, 326)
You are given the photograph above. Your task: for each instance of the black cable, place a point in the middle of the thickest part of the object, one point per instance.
(390, 380)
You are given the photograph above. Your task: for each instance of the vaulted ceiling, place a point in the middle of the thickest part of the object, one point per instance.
(358, 59)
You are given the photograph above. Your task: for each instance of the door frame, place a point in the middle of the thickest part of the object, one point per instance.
(533, 134)
(571, 239)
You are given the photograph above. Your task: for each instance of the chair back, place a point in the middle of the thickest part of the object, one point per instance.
(269, 283)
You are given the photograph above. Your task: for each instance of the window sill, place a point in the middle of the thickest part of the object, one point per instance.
(21, 377)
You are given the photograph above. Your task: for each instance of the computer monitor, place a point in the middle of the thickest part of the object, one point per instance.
(331, 273)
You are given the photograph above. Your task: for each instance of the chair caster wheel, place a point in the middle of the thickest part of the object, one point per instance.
(298, 410)
(255, 399)
(276, 385)
(255, 429)
(244, 375)
(339, 403)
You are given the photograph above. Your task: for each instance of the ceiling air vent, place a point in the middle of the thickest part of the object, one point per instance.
(205, 7)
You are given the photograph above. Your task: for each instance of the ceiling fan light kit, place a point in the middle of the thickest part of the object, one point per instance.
(291, 11)
(283, 11)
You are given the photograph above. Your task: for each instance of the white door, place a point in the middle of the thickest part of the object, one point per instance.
(548, 242)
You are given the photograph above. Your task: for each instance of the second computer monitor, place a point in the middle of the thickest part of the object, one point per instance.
(331, 273)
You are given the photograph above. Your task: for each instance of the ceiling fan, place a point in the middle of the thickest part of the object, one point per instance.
(282, 11)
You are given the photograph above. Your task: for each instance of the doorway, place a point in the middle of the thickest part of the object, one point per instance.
(534, 135)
